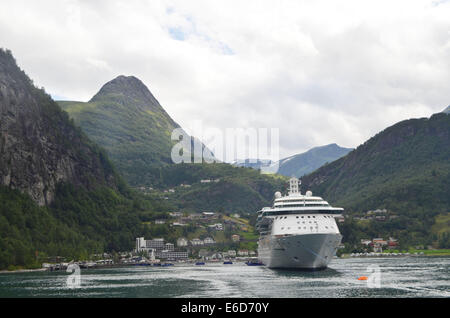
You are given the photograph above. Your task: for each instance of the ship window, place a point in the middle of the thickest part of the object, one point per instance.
(282, 228)
(296, 217)
(302, 217)
(285, 217)
(308, 216)
(314, 217)
(326, 227)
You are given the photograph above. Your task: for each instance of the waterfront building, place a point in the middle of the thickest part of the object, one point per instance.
(140, 244)
(172, 255)
(157, 244)
(366, 242)
(235, 238)
(169, 247)
(243, 252)
(231, 253)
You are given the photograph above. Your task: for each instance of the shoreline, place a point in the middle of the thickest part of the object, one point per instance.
(344, 256)
(24, 270)
(380, 255)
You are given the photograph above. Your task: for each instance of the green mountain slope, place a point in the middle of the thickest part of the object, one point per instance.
(231, 189)
(127, 120)
(405, 169)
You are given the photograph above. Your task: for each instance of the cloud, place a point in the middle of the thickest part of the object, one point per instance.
(321, 71)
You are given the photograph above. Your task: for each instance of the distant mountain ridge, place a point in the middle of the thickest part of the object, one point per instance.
(300, 164)
(304, 163)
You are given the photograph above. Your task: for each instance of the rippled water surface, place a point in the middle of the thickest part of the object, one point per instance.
(399, 277)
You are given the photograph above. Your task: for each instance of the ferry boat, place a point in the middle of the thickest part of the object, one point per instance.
(253, 263)
(299, 231)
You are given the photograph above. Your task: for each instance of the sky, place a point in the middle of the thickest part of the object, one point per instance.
(320, 72)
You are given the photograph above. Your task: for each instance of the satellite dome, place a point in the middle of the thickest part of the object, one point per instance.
(308, 193)
(277, 194)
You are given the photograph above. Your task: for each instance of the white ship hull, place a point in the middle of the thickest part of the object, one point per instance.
(302, 251)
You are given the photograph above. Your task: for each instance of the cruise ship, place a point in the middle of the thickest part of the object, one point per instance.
(298, 231)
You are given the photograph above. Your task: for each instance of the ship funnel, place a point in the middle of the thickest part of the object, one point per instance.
(294, 186)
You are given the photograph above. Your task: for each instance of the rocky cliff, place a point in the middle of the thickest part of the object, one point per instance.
(39, 146)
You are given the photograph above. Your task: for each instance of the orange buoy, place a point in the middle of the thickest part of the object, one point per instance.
(362, 278)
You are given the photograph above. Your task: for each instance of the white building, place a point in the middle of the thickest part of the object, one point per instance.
(217, 226)
(231, 253)
(197, 242)
(209, 240)
(243, 253)
(172, 255)
(169, 247)
(140, 244)
(182, 242)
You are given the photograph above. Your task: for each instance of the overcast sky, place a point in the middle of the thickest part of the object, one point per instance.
(320, 71)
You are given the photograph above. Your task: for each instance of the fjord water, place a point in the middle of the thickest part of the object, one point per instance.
(400, 277)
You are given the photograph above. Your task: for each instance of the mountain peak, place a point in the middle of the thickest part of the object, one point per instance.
(447, 110)
(128, 87)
